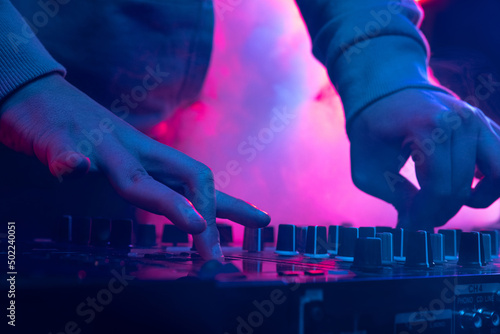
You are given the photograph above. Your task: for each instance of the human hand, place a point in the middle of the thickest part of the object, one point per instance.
(72, 134)
(446, 138)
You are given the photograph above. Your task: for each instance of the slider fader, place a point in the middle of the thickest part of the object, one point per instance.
(100, 275)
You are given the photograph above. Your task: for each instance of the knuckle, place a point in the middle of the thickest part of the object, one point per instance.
(138, 174)
(203, 173)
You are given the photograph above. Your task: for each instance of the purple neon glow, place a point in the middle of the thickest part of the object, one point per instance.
(299, 174)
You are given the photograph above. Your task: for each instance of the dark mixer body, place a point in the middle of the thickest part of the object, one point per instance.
(310, 280)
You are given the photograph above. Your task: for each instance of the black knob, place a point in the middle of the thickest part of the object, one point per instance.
(146, 235)
(450, 243)
(367, 232)
(80, 231)
(387, 253)
(470, 254)
(417, 250)
(300, 238)
(268, 235)
(316, 245)
(398, 242)
(495, 239)
(64, 231)
(286, 240)
(368, 255)
(173, 235)
(225, 234)
(486, 248)
(252, 239)
(490, 318)
(382, 229)
(347, 243)
(100, 231)
(470, 319)
(121, 233)
(333, 239)
(437, 244)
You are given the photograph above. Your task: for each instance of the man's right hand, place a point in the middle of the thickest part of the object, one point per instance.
(72, 134)
(447, 139)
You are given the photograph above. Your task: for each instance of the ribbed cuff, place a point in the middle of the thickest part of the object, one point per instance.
(371, 49)
(22, 57)
(383, 67)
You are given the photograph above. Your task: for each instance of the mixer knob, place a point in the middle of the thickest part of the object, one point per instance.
(225, 234)
(146, 235)
(172, 234)
(252, 239)
(459, 238)
(387, 253)
(100, 230)
(64, 233)
(347, 243)
(437, 244)
(398, 242)
(470, 319)
(316, 245)
(486, 248)
(80, 230)
(286, 240)
(383, 229)
(368, 255)
(268, 235)
(490, 318)
(417, 250)
(470, 254)
(367, 232)
(495, 240)
(300, 238)
(333, 239)
(450, 243)
(121, 233)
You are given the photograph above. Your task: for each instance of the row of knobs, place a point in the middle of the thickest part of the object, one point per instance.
(117, 233)
(99, 232)
(372, 247)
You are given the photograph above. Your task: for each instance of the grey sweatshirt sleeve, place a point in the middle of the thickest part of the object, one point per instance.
(371, 48)
(22, 56)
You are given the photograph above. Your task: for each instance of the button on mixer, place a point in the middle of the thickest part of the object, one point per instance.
(367, 232)
(316, 245)
(80, 231)
(417, 250)
(333, 239)
(387, 253)
(146, 235)
(490, 318)
(368, 255)
(252, 240)
(173, 235)
(100, 231)
(486, 248)
(225, 234)
(121, 233)
(347, 243)
(495, 239)
(450, 243)
(470, 254)
(470, 319)
(437, 244)
(286, 240)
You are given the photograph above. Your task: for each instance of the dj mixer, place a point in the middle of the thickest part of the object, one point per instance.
(99, 276)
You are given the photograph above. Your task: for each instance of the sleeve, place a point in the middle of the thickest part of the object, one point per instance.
(371, 48)
(22, 56)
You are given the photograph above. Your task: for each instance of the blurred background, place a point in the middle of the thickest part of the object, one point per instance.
(271, 126)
